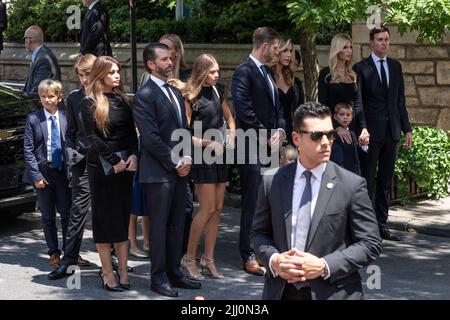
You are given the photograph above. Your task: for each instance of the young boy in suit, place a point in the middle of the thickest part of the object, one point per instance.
(343, 153)
(45, 164)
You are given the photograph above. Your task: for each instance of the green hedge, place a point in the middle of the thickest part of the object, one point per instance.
(427, 163)
(213, 21)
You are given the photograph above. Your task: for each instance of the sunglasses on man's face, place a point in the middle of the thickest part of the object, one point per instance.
(318, 135)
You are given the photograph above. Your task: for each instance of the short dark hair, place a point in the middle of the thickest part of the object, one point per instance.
(374, 31)
(149, 53)
(264, 34)
(309, 110)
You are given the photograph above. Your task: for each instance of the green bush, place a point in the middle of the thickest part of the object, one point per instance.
(213, 21)
(427, 163)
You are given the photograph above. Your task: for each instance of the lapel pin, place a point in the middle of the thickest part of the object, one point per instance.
(329, 185)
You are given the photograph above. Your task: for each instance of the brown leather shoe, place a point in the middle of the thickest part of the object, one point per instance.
(252, 267)
(82, 262)
(55, 260)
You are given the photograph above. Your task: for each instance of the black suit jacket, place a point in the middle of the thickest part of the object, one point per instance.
(35, 145)
(3, 22)
(346, 154)
(343, 230)
(156, 120)
(377, 106)
(77, 144)
(45, 66)
(94, 37)
(252, 99)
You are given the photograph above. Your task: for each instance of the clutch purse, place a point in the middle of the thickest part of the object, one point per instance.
(108, 167)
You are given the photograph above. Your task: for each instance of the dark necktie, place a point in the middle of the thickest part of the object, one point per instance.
(269, 83)
(303, 219)
(56, 145)
(384, 78)
(174, 104)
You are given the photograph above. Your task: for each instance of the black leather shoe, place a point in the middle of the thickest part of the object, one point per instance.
(58, 273)
(387, 235)
(164, 289)
(185, 283)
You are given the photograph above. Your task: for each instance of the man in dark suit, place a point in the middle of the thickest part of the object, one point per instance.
(257, 105)
(158, 111)
(94, 37)
(314, 226)
(3, 22)
(44, 145)
(44, 64)
(383, 96)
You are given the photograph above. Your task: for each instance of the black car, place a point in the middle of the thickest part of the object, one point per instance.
(15, 196)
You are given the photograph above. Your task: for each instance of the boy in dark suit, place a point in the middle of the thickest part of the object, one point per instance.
(343, 153)
(45, 164)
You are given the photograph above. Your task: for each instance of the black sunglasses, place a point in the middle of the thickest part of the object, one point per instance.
(318, 135)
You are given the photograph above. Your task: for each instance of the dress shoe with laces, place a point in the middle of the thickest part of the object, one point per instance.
(387, 235)
(55, 260)
(83, 262)
(58, 273)
(252, 267)
(164, 289)
(185, 283)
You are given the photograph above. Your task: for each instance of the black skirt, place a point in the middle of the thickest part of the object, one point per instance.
(215, 173)
(111, 204)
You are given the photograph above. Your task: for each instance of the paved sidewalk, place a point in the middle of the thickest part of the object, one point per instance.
(430, 217)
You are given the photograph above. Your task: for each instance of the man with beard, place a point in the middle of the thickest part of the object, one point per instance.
(158, 110)
(257, 105)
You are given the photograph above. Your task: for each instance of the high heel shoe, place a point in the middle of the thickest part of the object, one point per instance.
(106, 286)
(124, 286)
(190, 268)
(209, 268)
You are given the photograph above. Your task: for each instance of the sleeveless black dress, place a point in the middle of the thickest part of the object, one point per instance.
(207, 111)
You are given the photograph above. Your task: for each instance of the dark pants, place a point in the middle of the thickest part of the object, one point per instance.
(291, 293)
(378, 169)
(189, 213)
(250, 175)
(167, 205)
(81, 201)
(54, 197)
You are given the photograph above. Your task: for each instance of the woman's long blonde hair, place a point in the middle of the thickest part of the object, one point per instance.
(102, 66)
(179, 48)
(202, 65)
(337, 44)
(287, 72)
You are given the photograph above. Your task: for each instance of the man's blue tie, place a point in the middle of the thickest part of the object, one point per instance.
(56, 145)
(269, 83)
(383, 78)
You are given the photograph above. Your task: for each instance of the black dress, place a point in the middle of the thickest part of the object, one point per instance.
(110, 194)
(208, 110)
(330, 94)
(290, 101)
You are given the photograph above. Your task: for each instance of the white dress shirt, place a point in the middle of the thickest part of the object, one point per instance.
(376, 59)
(49, 130)
(297, 192)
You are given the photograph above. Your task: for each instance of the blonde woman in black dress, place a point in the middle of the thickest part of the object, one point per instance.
(206, 105)
(109, 125)
(339, 83)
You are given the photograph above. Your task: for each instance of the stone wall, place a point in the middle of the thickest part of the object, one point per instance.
(426, 71)
(426, 68)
